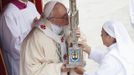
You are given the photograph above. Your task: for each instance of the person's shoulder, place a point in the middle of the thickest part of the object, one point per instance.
(11, 8)
(31, 4)
(34, 33)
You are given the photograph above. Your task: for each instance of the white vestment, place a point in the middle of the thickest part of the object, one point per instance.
(41, 52)
(15, 25)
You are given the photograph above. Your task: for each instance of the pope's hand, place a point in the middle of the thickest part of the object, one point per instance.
(79, 70)
(64, 68)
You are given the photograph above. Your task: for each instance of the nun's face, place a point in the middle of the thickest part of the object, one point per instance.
(107, 40)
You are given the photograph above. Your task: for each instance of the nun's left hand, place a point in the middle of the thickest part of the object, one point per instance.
(78, 33)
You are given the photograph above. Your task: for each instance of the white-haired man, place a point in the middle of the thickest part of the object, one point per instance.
(42, 52)
(16, 23)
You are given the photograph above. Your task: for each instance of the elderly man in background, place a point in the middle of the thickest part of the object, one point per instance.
(16, 23)
(43, 50)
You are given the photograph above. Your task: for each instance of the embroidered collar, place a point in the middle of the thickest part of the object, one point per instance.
(19, 4)
(47, 30)
(62, 39)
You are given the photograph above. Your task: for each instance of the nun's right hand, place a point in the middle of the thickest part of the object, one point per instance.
(84, 46)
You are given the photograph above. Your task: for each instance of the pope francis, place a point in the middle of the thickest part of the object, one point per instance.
(43, 50)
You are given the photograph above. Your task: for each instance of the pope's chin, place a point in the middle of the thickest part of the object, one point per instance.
(64, 24)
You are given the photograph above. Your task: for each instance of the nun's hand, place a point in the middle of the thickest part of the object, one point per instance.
(82, 42)
(78, 33)
(84, 46)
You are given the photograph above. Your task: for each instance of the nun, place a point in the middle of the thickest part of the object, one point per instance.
(119, 58)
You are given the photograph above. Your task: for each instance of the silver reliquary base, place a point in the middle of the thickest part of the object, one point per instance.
(75, 57)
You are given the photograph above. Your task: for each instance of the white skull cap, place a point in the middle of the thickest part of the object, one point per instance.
(49, 7)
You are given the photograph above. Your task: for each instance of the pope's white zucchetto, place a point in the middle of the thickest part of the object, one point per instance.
(49, 7)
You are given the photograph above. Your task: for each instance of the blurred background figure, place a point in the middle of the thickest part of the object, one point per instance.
(16, 23)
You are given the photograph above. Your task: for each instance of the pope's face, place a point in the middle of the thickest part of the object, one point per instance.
(59, 16)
